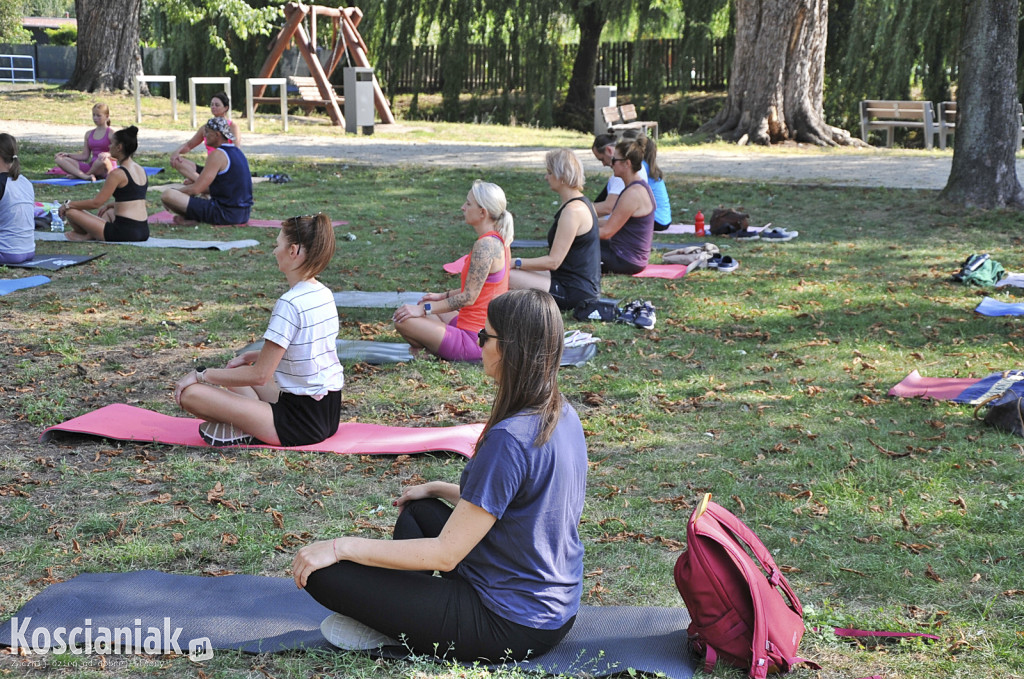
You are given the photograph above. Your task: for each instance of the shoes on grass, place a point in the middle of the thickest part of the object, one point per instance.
(724, 264)
(639, 312)
(220, 434)
(745, 234)
(778, 234)
(351, 635)
(278, 178)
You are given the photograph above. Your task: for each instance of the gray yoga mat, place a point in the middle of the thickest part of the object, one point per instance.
(259, 614)
(55, 262)
(656, 245)
(162, 242)
(375, 300)
(379, 353)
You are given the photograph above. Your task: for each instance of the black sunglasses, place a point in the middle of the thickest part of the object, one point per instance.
(619, 160)
(483, 336)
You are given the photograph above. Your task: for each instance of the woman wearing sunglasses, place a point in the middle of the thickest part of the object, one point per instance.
(446, 323)
(504, 538)
(289, 392)
(627, 232)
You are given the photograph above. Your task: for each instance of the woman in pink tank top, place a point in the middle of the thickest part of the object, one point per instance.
(94, 160)
(220, 107)
(447, 323)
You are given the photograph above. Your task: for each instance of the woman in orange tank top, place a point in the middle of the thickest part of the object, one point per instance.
(447, 323)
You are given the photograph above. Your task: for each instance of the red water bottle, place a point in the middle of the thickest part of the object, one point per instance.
(698, 223)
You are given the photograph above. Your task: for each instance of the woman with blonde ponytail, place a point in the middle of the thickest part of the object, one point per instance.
(17, 200)
(447, 323)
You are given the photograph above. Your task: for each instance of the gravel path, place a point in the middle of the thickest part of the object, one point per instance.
(882, 168)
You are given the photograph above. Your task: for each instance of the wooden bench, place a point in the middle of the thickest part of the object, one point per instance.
(309, 95)
(621, 118)
(888, 115)
(947, 122)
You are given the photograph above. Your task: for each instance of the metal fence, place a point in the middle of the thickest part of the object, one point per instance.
(618, 63)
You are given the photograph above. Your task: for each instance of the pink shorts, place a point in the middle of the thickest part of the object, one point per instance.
(458, 344)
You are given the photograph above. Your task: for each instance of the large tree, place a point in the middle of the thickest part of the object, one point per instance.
(108, 56)
(984, 171)
(577, 111)
(777, 77)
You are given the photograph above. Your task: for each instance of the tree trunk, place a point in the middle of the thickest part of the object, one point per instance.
(109, 57)
(777, 76)
(984, 171)
(577, 110)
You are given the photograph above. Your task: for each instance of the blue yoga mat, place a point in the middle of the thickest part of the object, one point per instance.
(258, 614)
(993, 307)
(9, 285)
(75, 181)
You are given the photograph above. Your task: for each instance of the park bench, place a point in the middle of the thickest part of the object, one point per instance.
(947, 122)
(888, 115)
(308, 97)
(621, 118)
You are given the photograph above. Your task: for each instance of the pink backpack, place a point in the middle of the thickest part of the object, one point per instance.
(731, 587)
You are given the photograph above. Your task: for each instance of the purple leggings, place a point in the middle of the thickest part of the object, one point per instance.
(16, 258)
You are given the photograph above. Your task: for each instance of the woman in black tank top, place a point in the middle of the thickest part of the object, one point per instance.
(571, 271)
(125, 219)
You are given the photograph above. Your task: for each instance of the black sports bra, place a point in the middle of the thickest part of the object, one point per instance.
(131, 190)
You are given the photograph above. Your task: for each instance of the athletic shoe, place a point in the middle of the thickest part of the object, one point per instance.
(727, 264)
(223, 434)
(745, 234)
(628, 312)
(351, 635)
(778, 234)
(643, 316)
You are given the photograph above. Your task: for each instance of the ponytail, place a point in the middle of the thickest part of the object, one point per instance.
(492, 199)
(650, 151)
(9, 154)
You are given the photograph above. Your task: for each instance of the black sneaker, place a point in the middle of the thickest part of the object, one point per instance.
(220, 434)
(643, 316)
(627, 313)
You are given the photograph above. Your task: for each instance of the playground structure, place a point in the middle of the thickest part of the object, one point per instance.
(346, 38)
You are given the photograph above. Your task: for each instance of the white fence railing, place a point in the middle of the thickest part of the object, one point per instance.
(9, 71)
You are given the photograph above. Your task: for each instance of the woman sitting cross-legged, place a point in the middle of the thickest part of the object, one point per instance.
(446, 323)
(17, 200)
(289, 392)
(571, 271)
(125, 219)
(505, 537)
(627, 232)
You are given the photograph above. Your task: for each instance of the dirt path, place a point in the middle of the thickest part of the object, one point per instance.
(882, 168)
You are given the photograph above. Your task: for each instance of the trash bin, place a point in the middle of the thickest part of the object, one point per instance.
(358, 81)
(604, 95)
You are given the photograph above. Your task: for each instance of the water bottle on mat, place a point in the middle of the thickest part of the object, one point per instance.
(56, 223)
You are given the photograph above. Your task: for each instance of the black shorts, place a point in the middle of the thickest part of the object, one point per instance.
(612, 263)
(567, 298)
(124, 230)
(212, 212)
(302, 420)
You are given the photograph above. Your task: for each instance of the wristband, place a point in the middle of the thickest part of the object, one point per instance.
(426, 309)
(519, 262)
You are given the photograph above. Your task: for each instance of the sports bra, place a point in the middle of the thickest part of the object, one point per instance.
(131, 190)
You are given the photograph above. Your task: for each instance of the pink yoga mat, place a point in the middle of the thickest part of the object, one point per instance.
(165, 217)
(128, 423)
(939, 388)
(652, 270)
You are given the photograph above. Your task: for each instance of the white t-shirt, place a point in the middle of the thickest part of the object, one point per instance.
(617, 186)
(305, 323)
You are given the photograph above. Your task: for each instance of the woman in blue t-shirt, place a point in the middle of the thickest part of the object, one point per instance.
(504, 538)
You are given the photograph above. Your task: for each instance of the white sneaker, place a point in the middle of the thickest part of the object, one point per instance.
(224, 434)
(351, 635)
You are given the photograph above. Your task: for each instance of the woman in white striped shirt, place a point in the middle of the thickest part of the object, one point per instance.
(288, 393)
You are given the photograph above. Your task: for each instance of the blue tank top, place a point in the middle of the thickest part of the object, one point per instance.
(232, 187)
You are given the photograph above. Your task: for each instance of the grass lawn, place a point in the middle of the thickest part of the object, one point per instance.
(766, 387)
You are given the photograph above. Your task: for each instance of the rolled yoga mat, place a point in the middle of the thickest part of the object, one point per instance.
(260, 614)
(127, 423)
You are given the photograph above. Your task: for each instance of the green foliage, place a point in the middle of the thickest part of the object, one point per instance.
(47, 8)
(10, 24)
(65, 36)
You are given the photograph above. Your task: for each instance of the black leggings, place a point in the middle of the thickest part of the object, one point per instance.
(440, 616)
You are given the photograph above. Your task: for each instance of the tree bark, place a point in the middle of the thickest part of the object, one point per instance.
(984, 171)
(777, 76)
(577, 110)
(109, 57)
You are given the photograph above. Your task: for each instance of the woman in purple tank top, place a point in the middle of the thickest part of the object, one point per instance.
(94, 160)
(627, 232)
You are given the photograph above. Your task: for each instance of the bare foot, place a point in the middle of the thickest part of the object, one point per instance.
(181, 221)
(74, 235)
